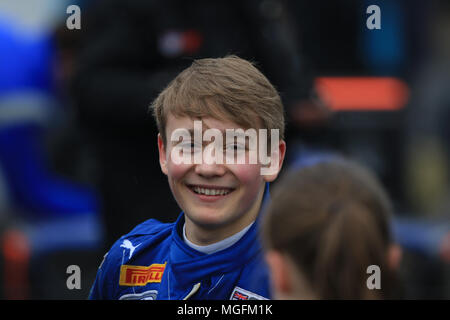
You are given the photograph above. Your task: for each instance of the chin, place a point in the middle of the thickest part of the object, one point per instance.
(207, 219)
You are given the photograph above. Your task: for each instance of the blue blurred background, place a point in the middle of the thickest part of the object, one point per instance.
(78, 158)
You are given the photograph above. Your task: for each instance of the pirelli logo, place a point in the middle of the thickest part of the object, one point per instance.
(140, 275)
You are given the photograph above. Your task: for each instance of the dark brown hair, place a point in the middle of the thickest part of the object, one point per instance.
(332, 220)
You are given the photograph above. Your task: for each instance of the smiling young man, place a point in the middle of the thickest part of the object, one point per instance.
(219, 170)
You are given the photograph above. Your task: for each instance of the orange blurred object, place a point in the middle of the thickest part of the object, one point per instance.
(16, 255)
(362, 93)
(444, 250)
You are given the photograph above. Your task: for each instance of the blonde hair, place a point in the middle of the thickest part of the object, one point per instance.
(332, 219)
(229, 87)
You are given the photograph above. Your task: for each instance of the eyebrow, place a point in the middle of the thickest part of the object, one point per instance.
(191, 131)
(235, 134)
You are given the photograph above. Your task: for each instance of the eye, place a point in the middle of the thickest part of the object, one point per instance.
(190, 146)
(235, 147)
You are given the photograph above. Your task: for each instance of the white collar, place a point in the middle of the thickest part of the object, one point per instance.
(218, 246)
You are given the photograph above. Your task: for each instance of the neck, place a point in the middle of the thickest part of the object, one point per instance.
(204, 236)
(218, 246)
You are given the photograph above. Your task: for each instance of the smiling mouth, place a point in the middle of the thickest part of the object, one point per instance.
(210, 190)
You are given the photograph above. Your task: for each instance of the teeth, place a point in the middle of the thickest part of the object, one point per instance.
(211, 192)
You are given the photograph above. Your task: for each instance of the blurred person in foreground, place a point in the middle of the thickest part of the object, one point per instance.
(326, 224)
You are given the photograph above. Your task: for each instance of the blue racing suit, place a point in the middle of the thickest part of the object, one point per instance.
(153, 262)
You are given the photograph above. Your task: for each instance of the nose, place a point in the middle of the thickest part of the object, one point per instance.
(209, 169)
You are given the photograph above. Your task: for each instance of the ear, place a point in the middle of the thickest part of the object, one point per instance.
(394, 256)
(279, 273)
(162, 155)
(278, 156)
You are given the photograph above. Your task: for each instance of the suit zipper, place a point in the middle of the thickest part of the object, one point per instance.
(193, 291)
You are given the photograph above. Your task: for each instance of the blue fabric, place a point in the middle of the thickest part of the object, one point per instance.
(384, 50)
(420, 236)
(241, 265)
(83, 232)
(33, 187)
(25, 61)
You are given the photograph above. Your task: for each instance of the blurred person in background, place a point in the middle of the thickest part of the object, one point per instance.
(325, 225)
(46, 211)
(427, 158)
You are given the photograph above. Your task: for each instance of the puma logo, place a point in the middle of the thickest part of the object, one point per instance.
(128, 245)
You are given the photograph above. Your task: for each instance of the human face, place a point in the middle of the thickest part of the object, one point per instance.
(235, 190)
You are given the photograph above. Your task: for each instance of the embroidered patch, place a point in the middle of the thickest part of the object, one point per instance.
(140, 275)
(146, 295)
(242, 294)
